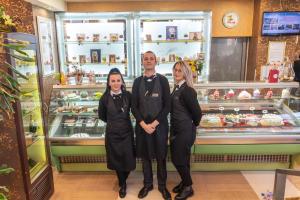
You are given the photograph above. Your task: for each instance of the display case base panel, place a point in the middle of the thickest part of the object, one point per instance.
(275, 149)
(90, 167)
(236, 166)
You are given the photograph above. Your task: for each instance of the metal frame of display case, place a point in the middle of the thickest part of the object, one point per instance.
(223, 151)
(41, 186)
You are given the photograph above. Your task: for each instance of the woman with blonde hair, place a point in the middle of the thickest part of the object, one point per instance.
(185, 117)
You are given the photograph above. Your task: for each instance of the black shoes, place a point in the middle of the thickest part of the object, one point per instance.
(122, 191)
(165, 193)
(187, 191)
(144, 191)
(178, 188)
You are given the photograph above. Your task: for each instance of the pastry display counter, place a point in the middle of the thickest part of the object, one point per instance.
(244, 126)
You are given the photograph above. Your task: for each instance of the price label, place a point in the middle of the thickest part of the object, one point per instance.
(252, 108)
(236, 109)
(265, 111)
(221, 108)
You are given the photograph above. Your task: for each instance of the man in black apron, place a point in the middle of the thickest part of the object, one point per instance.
(150, 107)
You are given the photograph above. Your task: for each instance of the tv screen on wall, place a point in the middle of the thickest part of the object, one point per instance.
(281, 23)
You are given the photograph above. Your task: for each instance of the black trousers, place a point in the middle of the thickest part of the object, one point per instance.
(122, 177)
(161, 172)
(185, 172)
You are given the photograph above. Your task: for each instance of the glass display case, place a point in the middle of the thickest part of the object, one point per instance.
(239, 111)
(74, 113)
(174, 36)
(239, 119)
(30, 121)
(92, 44)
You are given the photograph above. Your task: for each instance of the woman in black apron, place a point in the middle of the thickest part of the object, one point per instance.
(114, 107)
(185, 117)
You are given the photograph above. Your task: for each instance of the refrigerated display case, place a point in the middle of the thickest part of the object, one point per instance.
(30, 124)
(250, 126)
(75, 132)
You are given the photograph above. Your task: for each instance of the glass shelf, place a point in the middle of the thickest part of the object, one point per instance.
(173, 41)
(100, 42)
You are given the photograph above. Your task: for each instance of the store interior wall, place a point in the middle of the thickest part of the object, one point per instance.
(259, 44)
(50, 80)
(21, 13)
(228, 55)
(218, 7)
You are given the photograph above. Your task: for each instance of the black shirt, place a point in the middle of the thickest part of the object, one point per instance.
(166, 98)
(118, 101)
(188, 98)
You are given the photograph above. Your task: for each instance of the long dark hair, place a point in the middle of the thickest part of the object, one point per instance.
(112, 72)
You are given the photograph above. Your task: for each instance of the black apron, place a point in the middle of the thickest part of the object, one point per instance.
(150, 104)
(119, 140)
(183, 130)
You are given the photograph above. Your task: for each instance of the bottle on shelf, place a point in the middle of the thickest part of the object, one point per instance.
(33, 127)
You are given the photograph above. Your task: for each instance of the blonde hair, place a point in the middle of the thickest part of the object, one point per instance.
(187, 72)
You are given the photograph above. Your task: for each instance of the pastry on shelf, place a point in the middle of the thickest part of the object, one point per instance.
(251, 120)
(285, 93)
(79, 123)
(90, 123)
(211, 121)
(72, 96)
(271, 120)
(69, 122)
(230, 94)
(256, 93)
(84, 94)
(269, 94)
(232, 118)
(215, 95)
(101, 123)
(244, 95)
(80, 135)
(97, 95)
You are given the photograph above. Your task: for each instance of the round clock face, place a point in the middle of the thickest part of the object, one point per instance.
(230, 19)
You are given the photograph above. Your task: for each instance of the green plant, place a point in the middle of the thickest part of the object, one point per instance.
(9, 86)
(4, 170)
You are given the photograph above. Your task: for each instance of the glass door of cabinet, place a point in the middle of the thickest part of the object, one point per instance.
(31, 117)
(174, 36)
(92, 44)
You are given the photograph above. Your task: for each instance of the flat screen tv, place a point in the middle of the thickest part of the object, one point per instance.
(281, 23)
